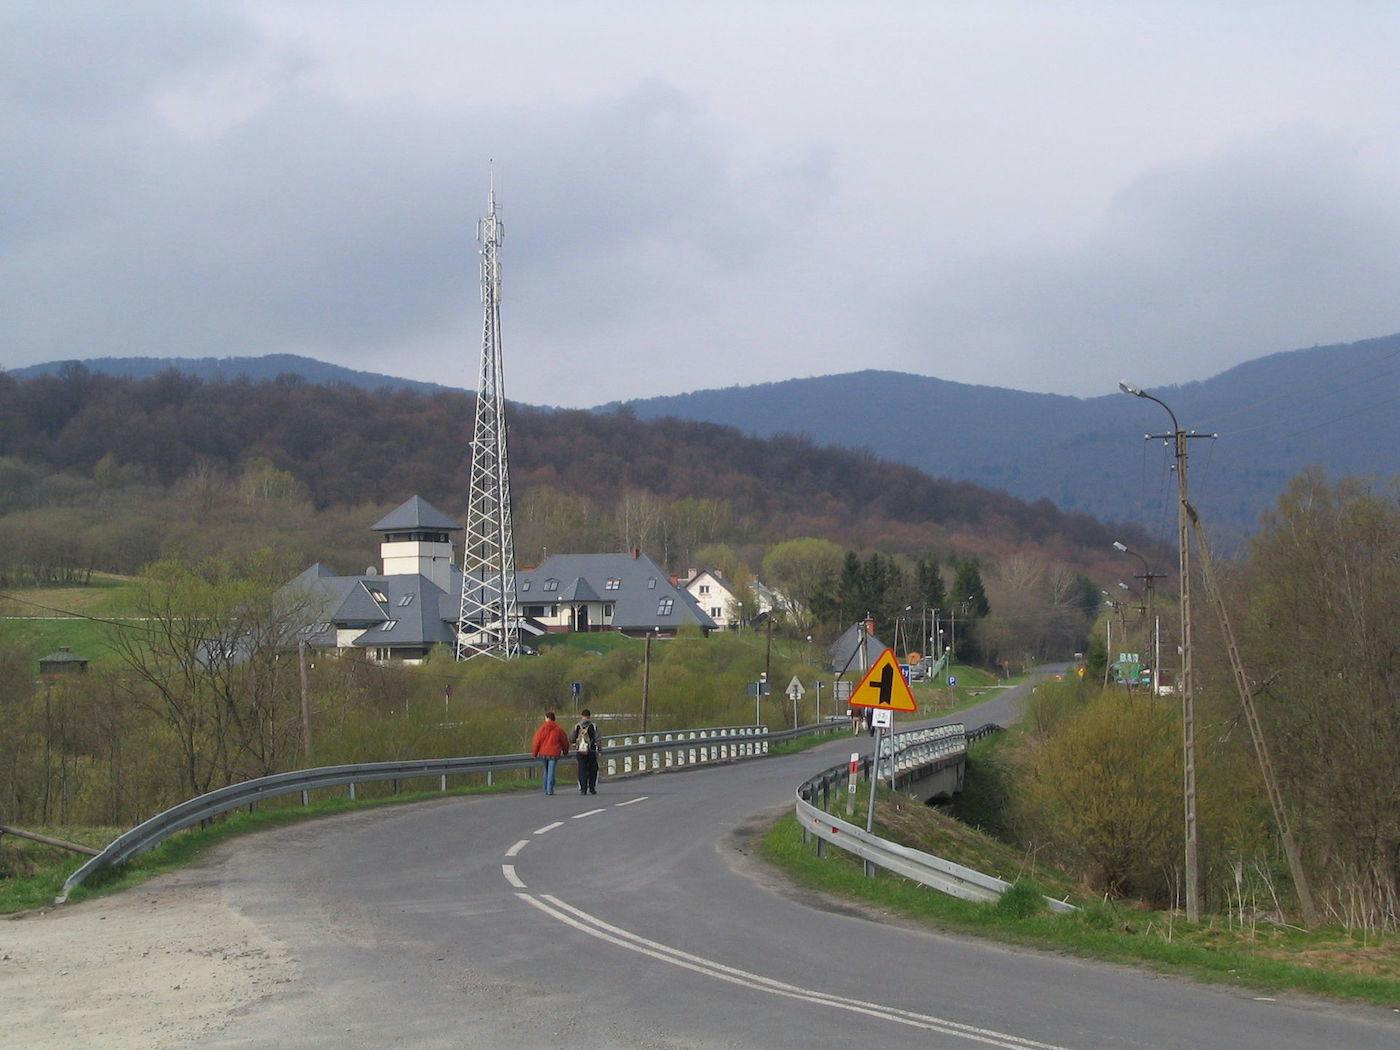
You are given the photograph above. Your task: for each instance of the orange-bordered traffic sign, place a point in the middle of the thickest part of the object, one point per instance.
(884, 686)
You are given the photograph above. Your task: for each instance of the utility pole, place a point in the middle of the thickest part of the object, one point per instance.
(1256, 731)
(305, 700)
(768, 657)
(1179, 439)
(646, 681)
(1107, 644)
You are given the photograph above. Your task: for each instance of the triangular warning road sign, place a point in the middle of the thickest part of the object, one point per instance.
(884, 686)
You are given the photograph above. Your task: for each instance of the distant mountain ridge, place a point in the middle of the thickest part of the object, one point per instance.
(254, 369)
(1332, 406)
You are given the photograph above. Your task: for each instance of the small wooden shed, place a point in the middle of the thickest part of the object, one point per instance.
(65, 661)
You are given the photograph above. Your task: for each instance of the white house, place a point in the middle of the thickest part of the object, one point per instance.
(715, 594)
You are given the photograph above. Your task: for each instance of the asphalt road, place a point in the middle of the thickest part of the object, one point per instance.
(637, 918)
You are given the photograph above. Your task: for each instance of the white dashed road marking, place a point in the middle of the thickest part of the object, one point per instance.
(508, 870)
(588, 813)
(517, 847)
(630, 801)
(596, 927)
(549, 827)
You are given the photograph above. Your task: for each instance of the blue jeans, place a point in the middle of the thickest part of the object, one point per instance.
(549, 764)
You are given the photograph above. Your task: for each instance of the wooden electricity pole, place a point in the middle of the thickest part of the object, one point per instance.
(305, 700)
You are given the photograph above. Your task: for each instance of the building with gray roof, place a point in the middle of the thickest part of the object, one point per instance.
(855, 651)
(629, 593)
(413, 605)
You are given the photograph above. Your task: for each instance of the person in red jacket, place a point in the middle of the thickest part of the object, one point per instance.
(551, 743)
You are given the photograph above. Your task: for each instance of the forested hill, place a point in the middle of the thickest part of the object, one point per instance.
(160, 454)
(1333, 406)
(254, 369)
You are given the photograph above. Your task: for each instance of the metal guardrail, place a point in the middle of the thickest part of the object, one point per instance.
(652, 753)
(915, 754)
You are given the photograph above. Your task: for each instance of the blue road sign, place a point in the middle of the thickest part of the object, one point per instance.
(952, 681)
(577, 688)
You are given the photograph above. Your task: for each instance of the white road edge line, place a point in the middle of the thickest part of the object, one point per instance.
(549, 827)
(508, 870)
(587, 813)
(632, 801)
(596, 927)
(517, 847)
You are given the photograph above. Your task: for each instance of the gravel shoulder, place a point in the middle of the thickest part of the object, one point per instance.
(159, 965)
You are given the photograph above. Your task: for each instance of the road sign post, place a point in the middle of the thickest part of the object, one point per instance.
(885, 690)
(795, 693)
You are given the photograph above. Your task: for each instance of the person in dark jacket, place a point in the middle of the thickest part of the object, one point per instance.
(550, 744)
(585, 741)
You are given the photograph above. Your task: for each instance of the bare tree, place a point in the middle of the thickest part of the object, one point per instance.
(210, 655)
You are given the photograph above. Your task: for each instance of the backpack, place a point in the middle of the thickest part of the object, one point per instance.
(585, 740)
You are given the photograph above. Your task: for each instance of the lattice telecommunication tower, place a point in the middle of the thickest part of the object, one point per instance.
(489, 624)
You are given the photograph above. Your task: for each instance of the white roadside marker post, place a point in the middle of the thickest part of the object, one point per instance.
(851, 784)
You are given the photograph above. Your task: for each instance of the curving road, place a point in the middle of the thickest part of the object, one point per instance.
(636, 918)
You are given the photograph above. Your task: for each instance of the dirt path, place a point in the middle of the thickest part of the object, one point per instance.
(157, 965)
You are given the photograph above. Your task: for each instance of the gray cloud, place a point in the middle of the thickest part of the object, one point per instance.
(1279, 241)
(347, 228)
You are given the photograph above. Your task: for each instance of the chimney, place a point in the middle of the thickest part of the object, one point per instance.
(870, 625)
(690, 574)
(636, 553)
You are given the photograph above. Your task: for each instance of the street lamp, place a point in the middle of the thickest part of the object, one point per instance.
(1188, 702)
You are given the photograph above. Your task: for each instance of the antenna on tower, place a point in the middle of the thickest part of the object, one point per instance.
(489, 622)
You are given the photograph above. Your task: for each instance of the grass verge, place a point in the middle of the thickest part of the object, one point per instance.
(1331, 962)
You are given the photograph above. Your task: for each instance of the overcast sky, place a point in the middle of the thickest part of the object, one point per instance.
(1046, 196)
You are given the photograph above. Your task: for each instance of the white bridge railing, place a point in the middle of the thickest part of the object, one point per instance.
(651, 752)
(914, 754)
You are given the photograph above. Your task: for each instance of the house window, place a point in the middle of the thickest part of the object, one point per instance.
(663, 607)
(534, 610)
(554, 610)
(525, 585)
(388, 625)
(651, 583)
(382, 653)
(551, 585)
(716, 612)
(613, 584)
(405, 601)
(608, 609)
(378, 596)
(704, 588)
